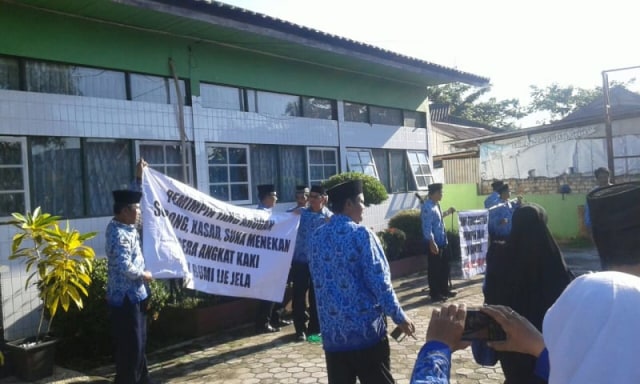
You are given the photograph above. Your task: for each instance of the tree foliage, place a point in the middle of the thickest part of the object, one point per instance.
(466, 102)
(558, 101)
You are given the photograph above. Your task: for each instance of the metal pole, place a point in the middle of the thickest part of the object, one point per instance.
(181, 129)
(607, 124)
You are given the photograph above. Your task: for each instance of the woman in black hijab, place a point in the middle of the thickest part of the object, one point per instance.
(537, 275)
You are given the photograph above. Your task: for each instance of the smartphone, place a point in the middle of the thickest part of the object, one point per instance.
(398, 335)
(479, 326)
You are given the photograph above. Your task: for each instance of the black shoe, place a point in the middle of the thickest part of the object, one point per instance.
(267, 329)
(282, 323)
(451, 294)
(438, 299)
(301, 337)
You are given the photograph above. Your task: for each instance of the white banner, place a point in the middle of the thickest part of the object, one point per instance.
(473, 227)
(218, 247)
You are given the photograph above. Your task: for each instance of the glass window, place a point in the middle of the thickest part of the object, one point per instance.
(13, 176)
(381, 158)
(386, 116)
(278, 104)
(229, 173)
(251, 100)
(292, 171)
(415, 119)
(318, 108)
(109, 166)
(264, 167)
(356, 112)
(399, 174)
(9, 73)
(323, 163)
(156, 89)
(361, 160)
(419, 164)
(166, 157)
(73, 80)
(57, 175)
(220, 97)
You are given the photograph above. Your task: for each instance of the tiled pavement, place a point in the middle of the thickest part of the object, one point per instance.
(240, 357)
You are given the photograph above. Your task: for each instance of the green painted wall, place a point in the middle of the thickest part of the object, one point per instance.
(29, 33)
(564, 219)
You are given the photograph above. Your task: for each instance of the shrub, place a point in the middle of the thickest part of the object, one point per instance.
(86, 334)
(372, 189)
(410, 223)
(393, 241)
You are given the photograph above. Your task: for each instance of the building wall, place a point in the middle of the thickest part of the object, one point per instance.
(103, 45)
(461, 171)
(56, 38)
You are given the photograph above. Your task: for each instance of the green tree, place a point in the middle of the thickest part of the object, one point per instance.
(466, 102)
(557, 101)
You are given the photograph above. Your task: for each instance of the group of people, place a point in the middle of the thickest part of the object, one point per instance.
(339, 265)
(559, 329)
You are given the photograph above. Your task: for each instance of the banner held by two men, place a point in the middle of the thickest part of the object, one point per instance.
(217, 247)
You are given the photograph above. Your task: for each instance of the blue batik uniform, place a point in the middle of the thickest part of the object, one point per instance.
(353, 286)
(262, 207)
(491, 200)
(433, 365)
(498, 230)
(432, 224)
(309, 222)
(125, 263)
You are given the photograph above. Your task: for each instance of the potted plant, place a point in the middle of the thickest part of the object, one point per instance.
(58, 264)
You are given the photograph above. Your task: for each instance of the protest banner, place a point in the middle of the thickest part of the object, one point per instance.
(218, 247)
(473, 227)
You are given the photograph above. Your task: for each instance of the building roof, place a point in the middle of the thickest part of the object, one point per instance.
(218, 23)
(624, 105)
(460, 132)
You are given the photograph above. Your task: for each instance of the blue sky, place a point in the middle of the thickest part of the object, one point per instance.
(515, 43)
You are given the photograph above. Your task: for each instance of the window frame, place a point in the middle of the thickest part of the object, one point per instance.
(311, 181)
(190, 160)
(26, 191)
(241, 96)
(428, 176)
(373, 161)
(229, 182)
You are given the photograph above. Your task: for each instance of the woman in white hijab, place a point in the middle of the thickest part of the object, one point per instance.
(591, 333)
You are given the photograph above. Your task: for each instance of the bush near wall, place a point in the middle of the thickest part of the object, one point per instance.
(373, 190)
(86, 334)
(393, 241)
(409, 222)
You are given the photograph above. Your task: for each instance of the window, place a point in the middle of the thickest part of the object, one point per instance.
(155, 89)
(220, 97)
(292, 171)
(356, 112)
(229, 173)
(57, 175)
(323, 163)
(392, 169)
(13, 176)
(415, 119)
(166, 157)
(386, 116)
(109, 166)
(73, 80)
(318, 108)
(9, 73)
(264, 167)
(361, 160)
(278, 104)
(420, 168)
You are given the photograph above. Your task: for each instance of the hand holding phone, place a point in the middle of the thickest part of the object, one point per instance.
(479, 326)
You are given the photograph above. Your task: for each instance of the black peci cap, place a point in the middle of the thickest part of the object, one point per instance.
(615, 219)
(497, 184)
(124, 196)
(302, 189)
(435, 187)
(344, 191)
(265, 190)
(503, 188)
(319, 189)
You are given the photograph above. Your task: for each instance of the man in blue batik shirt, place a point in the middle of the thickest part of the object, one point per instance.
(434, 233)
(499, 231)
(311, 218)
(302, 198)
(494, 197)
(126, 289)
(354, 293)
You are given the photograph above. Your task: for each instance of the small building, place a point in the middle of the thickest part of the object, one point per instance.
(217, 96)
